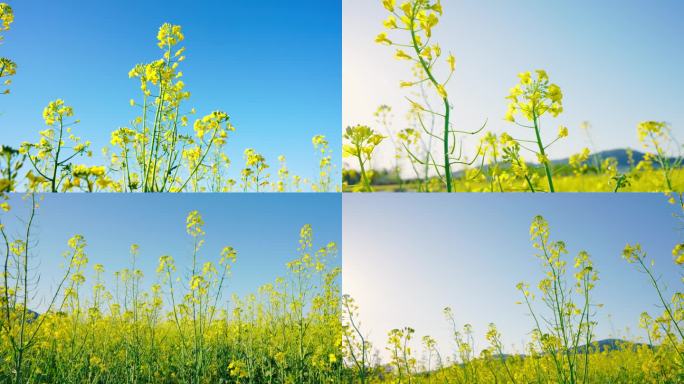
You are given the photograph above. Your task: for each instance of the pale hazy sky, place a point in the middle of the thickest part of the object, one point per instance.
(618, 63)
(408, 256)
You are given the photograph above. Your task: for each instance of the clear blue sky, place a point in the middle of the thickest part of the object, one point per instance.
(274, 67)
(264, 229)
(618, 63)
(408, 256)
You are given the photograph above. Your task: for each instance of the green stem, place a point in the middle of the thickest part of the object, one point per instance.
(56, 165)
(547, 168)
(447, 164)
(364, 177)
(654, 282)
(447, 108)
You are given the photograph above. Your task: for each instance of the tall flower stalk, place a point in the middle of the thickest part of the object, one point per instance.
(569, 324)
(414, 21)
(532, 98)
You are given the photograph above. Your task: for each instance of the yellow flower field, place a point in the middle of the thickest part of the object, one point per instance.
(182, 329)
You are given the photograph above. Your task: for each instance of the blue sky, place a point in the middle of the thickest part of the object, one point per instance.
(618, 63)
(264, 229)
(273, 67)
(408, 256)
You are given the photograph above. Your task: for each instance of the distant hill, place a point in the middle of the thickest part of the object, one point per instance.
(387, 177)
(32, 315)
(601, 345)
(619, 154)
(596, 158)
(613, 344)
